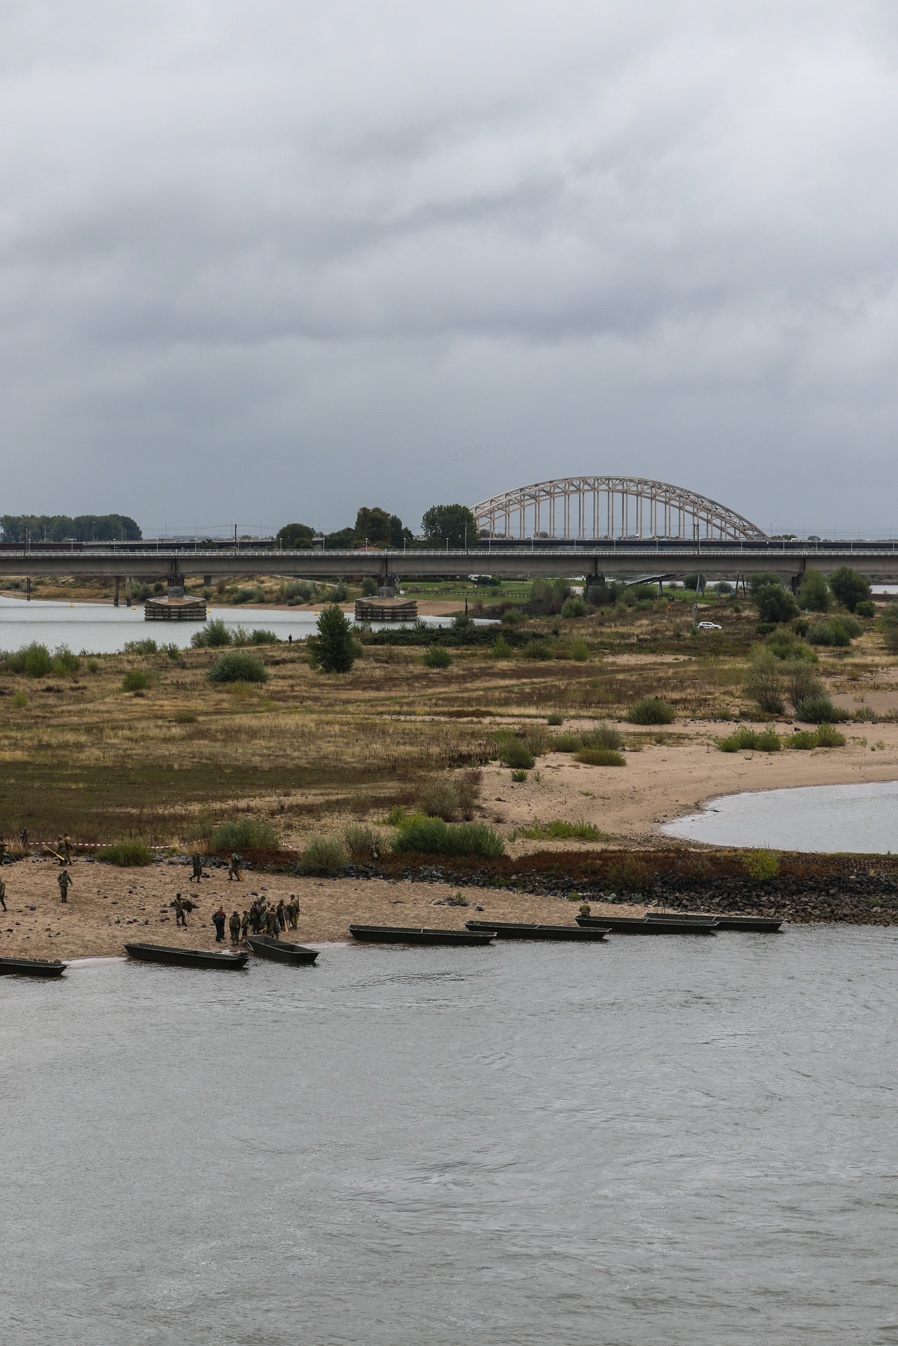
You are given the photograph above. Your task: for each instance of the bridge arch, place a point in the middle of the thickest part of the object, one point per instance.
(609, 507)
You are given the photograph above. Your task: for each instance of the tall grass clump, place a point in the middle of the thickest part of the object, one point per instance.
(238, 666)
(437, 656)
(244, 834)
(326, 856)
(262, 636)
(33, 660)
(566, 743)
(761, 865)
(126, 854)
(147, 646)
(818, 710)
(452, 798)
(651, 710)
(211, 636)
(823, 737)
(514, 752)
(600, 757)
(433, 836)
(560, 830)
(136, 680)
(746, 739)
(361, 842)
(603, 735)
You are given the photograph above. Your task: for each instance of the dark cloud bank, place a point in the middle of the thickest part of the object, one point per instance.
(276, 261)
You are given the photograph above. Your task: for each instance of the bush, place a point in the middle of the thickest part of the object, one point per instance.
(244, 834)
(65, 662)
(865, 608)
(629, 874)
(136, 680)
(578, 650)
(801, 681)
(746, 739)
(774, 603)
(573, 607)
(566, 743)
(433, 836)
(786, 644)
(761, 865)
(515, 752)
(814, 593)
(651, 710)
(238, 666)
(261, 636)
(126, 854)
(836, 631)
(559, 830)
(335, 648)
(539, 649)
(451, 797)
(323, 855)
(818, 710)
(764, 682)
(555, 718)
(211, 636)
(147, 646)
(369, 587)
(849, 587)
(501, 649)
(437, 656)
(827, 737)
(33, 659)
(603, 735)
(600, 757)
(361, 842)
(807, 739)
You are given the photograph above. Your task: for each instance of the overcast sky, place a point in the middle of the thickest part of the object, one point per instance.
(272, 261)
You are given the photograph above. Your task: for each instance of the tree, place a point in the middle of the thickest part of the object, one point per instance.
(60, 528)
(343, 540)
(450, 525)
(814, 592)
(295, 536)
(374, 526)
(774, 603)
(334, 649)
(764, 682)
(849, 587)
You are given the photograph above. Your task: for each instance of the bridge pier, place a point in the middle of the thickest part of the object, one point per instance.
(594, 584)
(386, 586)
(118, 580)
(28, 588)
(128, 591)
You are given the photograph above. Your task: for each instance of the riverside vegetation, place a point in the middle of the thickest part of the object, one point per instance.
(163, 747)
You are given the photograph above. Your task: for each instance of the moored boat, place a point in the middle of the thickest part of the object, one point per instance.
(759, 923)
(407, 934)
(174, 957)
(281, 951)
(31, 967)
(638, 925)
(524, 930)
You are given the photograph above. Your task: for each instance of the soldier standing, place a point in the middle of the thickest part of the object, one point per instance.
(2, 895)
(218, 920)
(23, 837)
(293, 911)
(67, 848)
(197, 869)
(234, 926)
(244, 925)
(64, 879)
(281, 915)
(180, 917)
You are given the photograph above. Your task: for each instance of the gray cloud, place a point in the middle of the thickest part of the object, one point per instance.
(286, 260)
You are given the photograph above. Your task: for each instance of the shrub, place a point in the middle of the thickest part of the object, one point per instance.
(814, 593)
(211, 636)
(832, 632)
(147, 646)
(566, 743)
(827, 737)
(519, 777)
(573, 607)
(136, 680)
(651, 710)
(786, 644)
(33, 659)
(865, 608)
(803, 740)
(818, 710)
(746, 739)
(761, 865)
(432, 836)
(774, 603)
(334, 649)
(849, 587)
(238, 666)
(603, 735)
(244, 834)
(126, 854)
(578, 650)
(560, 830)
(323, 855)
(629, 874)
(261, 636)
(514, 752)
(361, 842)
(801, 681)
(600, 757)
(369, 587)
(64, 661)
(555, 718)
(437, 656)
(501, 649)
(764, 682)
(539, 649)
(20, 700)
(451, 797)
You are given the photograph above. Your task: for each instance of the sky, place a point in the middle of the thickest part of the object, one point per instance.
(271, 262)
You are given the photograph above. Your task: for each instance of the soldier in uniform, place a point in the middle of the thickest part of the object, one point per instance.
(234, 867)
(64, 879)
(234, 927)
(584, 909)
(2, 895)
(197, 868)
(218, 920)
(67, 848)
(244, 925)
(281, 915)
(293, 911)
(180, 917)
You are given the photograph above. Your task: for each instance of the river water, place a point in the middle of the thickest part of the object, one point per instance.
(650, 1141)
(853, 818)
(99, 628)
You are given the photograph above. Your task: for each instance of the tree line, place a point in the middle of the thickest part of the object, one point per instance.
(63, 528)
(442, 526)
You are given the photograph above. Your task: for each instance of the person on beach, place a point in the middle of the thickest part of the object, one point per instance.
(218, 920)
(180, 917)
(197, 874)
(234, 867)
(584, 909)
(244, 925)
(272, 923)
(234, 927)
(23, 837)
(293, 911)
(67, 848)
(64, 879)
(2, 895)
(281, 915)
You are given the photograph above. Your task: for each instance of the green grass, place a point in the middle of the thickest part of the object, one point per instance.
(746, 739)
(600, 757)
(560, 830)
(126, 854)
(326, 856)
(431, 836)
(238, 666)
(244, 834)
(136, 680)
(651, 710)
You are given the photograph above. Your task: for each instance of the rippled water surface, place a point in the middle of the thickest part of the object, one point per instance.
(652, 1141)
(859, 818)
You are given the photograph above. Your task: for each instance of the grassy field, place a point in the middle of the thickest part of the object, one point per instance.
(81, 755)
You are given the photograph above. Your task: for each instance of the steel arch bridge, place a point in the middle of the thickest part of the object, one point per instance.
(609, 507)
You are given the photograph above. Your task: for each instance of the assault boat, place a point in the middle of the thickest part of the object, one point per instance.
(407, 934)
(524, 930)
(765, 924)
(164, 953)
(280, 951)
(638, 925)
(30, 967)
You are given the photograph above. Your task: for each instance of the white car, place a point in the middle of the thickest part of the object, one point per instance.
(709, 626)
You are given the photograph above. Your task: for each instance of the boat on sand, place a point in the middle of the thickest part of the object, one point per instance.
(175, 957)
(31, 967)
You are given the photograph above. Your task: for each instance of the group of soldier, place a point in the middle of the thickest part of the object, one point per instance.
(262, 917)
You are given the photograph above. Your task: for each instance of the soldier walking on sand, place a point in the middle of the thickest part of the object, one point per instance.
(64, 879)
(180, 917)
(234, 867)
(197, 868)
(234, 926)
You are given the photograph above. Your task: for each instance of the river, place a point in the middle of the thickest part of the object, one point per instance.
(680, 1141)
